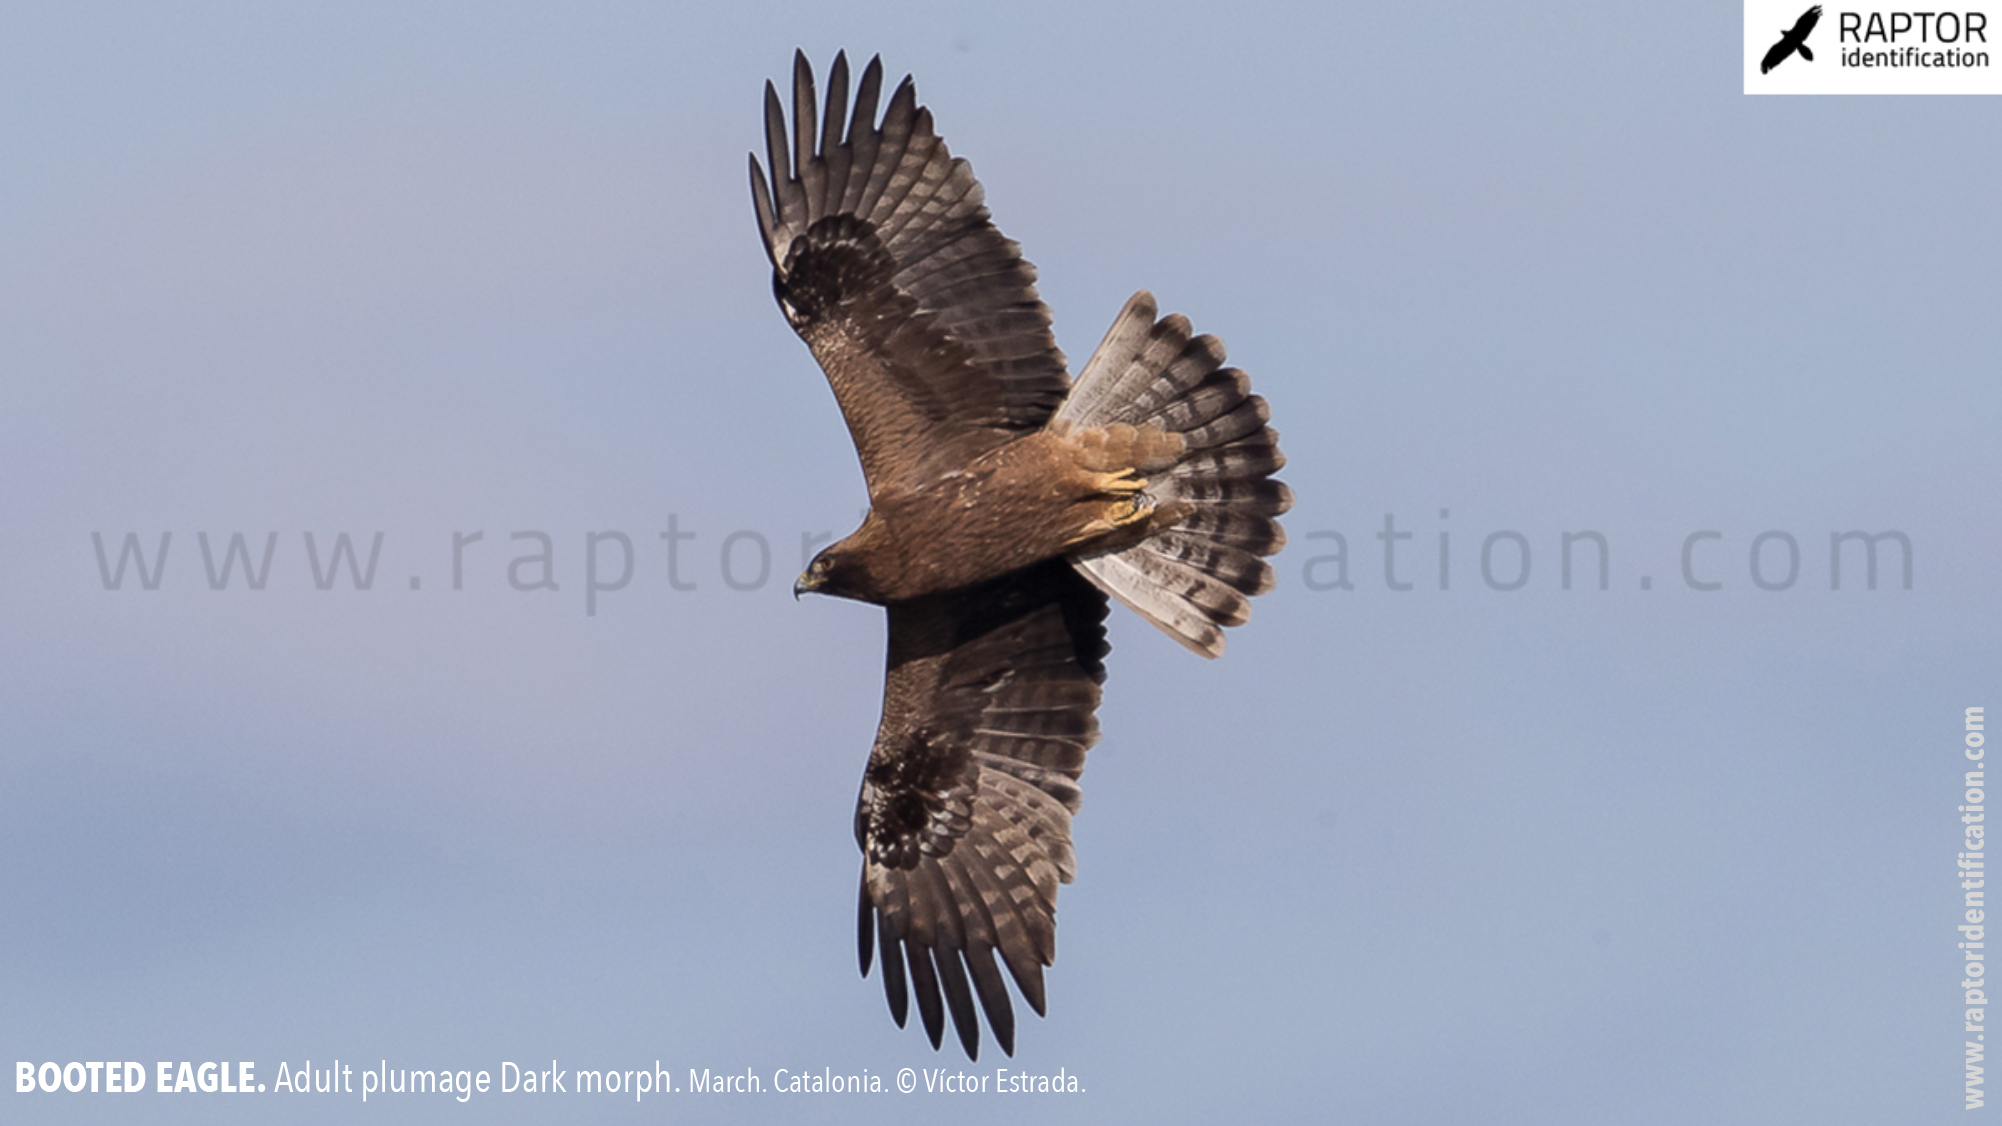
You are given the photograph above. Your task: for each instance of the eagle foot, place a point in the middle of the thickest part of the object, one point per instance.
(1126, 481)
(1127, 512)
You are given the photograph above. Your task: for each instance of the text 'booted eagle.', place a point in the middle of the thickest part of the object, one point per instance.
(1004, 498)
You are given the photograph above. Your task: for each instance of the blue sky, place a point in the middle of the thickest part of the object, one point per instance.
(1641, 854)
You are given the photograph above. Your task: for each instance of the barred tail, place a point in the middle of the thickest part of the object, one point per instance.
(1217, 504)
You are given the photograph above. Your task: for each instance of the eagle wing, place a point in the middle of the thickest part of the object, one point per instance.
(964, 815)
(1805, 24)
(923, 315)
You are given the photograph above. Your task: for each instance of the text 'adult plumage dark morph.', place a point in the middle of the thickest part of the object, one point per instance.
(1006, 503)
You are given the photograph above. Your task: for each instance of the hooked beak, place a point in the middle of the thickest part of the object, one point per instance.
(806, 583)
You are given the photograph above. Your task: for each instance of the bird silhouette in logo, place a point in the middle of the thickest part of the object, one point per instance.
(1793, 40)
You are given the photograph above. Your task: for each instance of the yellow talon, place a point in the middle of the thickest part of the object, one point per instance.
(1124, 481)
(1126, 512)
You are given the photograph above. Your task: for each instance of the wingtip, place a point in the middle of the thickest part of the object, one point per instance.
(763, 207)
(924, 982)
(895, 989)
(805, 121)
(865, 929)
(776, 152)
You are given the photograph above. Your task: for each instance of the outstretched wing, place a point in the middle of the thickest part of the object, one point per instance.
(1805, 24)
(1776, 54)
(964, 817)
(924, 317)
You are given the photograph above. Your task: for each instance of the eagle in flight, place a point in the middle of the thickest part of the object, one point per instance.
(1006, 502)
(1791, 40)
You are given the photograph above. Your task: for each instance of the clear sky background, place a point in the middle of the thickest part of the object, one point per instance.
(1645, 854)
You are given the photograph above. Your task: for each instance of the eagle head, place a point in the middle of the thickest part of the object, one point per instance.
(838, 572)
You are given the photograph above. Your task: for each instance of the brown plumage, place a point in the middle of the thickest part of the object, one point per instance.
(1006, 502)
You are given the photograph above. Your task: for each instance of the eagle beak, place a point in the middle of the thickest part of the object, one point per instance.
(805, 583)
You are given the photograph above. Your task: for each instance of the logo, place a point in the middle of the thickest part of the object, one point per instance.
(1872, 47)
(1794, 39)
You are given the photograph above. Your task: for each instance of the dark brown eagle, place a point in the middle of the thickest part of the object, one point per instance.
(1006, 502)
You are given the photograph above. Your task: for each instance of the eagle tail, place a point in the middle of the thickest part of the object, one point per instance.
(1216, 506)
(1805, 53)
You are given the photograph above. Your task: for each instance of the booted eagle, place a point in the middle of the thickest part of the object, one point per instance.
(1006, 503)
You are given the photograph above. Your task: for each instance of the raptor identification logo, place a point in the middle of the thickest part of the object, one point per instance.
(1793, 47)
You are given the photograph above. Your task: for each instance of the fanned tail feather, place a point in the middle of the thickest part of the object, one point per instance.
(1197, 575)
